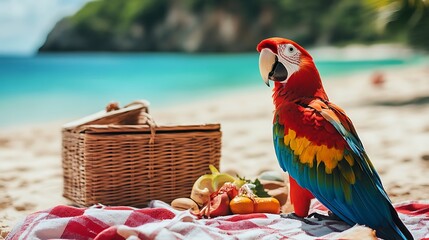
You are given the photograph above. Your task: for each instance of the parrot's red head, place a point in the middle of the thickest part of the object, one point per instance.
(290, 66)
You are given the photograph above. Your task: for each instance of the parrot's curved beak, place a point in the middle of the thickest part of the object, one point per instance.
(266, 61)
(270, 68)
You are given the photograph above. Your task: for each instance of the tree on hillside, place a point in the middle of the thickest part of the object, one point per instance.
(407, 19)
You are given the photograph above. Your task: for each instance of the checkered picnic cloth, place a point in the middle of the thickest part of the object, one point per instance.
(160, 221)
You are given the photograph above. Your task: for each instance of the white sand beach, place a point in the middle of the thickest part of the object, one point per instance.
(392, 120)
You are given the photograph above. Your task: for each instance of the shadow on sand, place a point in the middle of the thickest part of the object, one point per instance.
(414, 101)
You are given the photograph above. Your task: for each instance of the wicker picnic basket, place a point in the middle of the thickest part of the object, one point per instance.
(121, 157)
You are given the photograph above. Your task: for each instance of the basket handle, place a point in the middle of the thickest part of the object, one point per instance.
(145, 118)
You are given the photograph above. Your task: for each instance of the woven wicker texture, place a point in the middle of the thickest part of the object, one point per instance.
(117, 165)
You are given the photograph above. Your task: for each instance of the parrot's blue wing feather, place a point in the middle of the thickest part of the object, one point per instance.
(371, 195)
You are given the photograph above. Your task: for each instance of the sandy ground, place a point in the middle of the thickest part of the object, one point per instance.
(392, 121)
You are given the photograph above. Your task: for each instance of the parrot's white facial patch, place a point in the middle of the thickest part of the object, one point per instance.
(290, 57)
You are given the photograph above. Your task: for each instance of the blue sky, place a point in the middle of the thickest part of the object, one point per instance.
(24, 24)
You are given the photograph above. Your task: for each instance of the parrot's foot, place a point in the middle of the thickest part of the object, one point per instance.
(320, 217)
(296, 217)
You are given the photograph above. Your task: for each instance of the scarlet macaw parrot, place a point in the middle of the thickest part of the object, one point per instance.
(316, 143)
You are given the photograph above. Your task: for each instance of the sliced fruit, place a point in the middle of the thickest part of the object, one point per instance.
(213, 169)
(202, 189)
(201, 197)
(220, 179)
(228, 188)
(205, 181)
(239, 182)
(219, 206)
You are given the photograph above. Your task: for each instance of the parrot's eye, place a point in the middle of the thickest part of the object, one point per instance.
(289, 50)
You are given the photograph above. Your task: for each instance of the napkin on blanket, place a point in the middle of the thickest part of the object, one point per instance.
(160, 221)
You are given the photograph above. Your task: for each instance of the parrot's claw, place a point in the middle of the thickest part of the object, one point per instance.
(296, 217)
(320, 217)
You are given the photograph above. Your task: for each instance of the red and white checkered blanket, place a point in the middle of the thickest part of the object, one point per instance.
(160, 221)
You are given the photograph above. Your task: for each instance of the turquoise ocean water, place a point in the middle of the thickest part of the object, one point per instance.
(56, 87)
